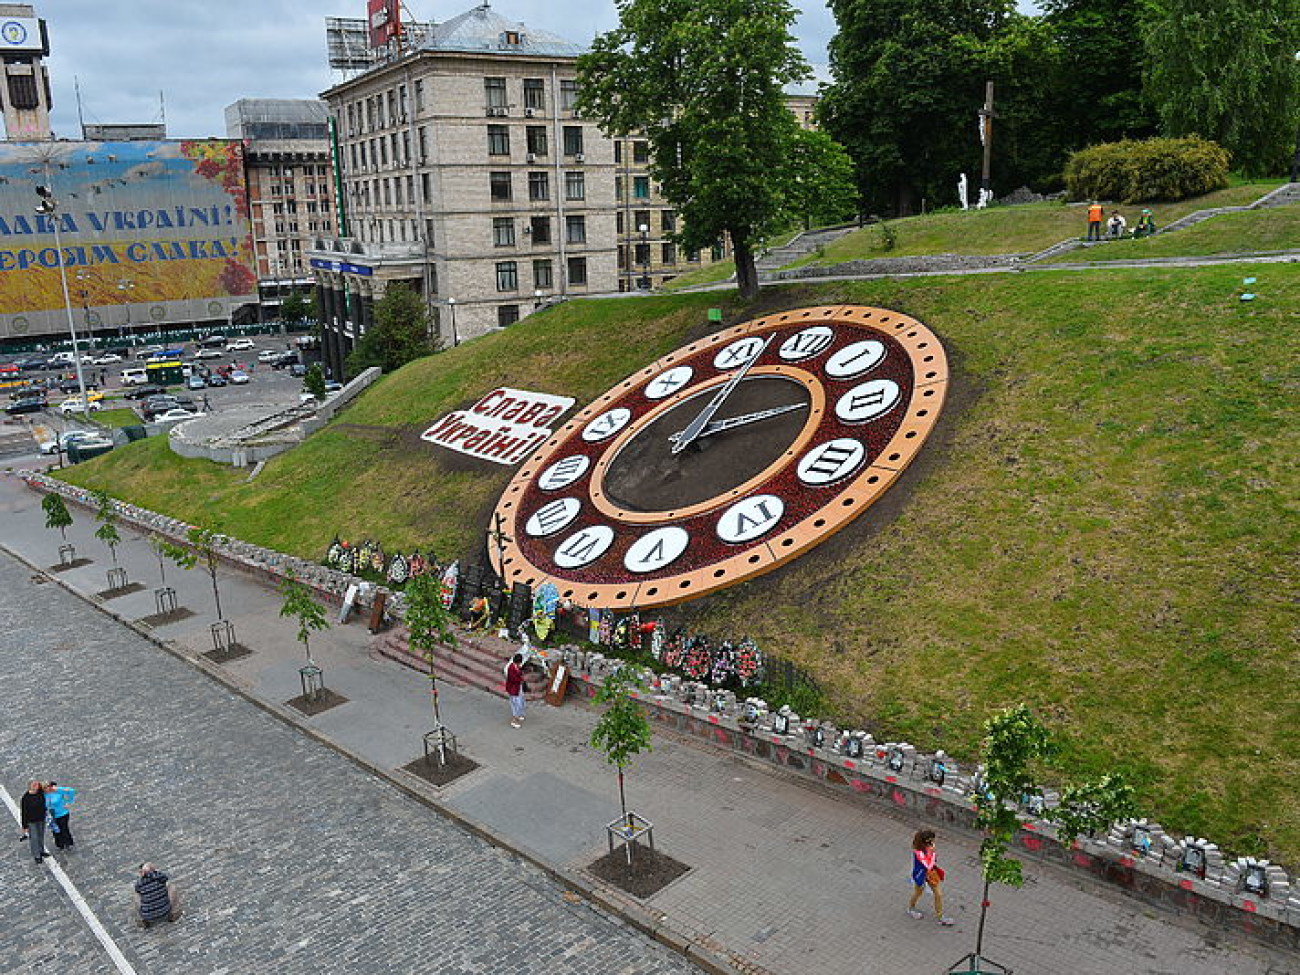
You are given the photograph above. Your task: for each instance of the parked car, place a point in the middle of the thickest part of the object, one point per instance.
(175, 414)
(145, 391)
(148, 351)
(73, 404)
(297, 369)
(332, 387)
(107, 359)
(239, 345)
(154, 405)
(195, 382)
(32, 404)
(268, 355)
(216, 379)
(239, 377)
(72, 385)
(209, 353)
(62, 441)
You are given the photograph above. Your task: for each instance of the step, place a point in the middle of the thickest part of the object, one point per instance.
(471, 663)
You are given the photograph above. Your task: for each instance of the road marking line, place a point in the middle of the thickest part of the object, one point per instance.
(105, 939)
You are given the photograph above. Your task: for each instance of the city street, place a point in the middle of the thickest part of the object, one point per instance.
(292, 859)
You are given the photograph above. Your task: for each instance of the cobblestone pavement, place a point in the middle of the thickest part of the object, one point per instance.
(292, 859)
(291, 847)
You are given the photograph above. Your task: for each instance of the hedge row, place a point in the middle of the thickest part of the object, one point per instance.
(1150, 170)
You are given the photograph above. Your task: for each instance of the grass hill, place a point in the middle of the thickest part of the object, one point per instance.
(1104, 524)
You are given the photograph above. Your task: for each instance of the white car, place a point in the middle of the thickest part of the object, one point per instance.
(238, 377)
(107, 359)
(73, 404)
(267, 355)
(176, 414)
(239, 345)
(209, 353)
(85, 438)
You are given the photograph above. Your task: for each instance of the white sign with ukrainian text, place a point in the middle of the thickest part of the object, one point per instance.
(505, 426)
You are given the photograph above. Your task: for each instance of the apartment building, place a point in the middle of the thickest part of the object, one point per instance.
(290, 187)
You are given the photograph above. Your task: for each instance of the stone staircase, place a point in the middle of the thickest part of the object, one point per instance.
(476, 660)
(801, 246)
(1283, 195)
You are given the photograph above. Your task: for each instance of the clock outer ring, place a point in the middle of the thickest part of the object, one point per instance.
(929, 388)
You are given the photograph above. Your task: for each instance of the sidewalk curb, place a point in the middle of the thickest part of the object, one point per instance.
(600, 896)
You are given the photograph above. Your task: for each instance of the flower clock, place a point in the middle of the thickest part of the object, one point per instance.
(724, 459)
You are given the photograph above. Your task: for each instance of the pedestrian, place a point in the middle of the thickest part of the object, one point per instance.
(925, 871)
(33, 819)
(1116, 225)
(515, 689)
(156, 897)
(1094, 221)
(1146, 225)
(58, 802)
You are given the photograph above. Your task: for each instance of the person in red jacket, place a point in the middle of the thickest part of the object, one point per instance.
(926, 871)
(515, 689)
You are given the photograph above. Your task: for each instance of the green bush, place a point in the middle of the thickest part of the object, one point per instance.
(1151, 170)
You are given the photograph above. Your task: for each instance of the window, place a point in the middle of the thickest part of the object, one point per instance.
(540, 230)
(419, 96)
(642, 254)
(536, 139)
(641, 187)
(718, 253)
(539, 186)
(577, 270)
(670, 253)
(500, 186)
(618, 151)
(641, 220)
(543, 277)
(568, 95)
(397, 191)
(534, 93)
(498, 140)
(572, 140)
(495, 91)
(668, 219)
(640, 151)
(424, 185)
(507, 315)
(618, 189)
(503, 232)
(575, 230)
(575, 186)
(507, 276)
(424, 143)
(388, 193)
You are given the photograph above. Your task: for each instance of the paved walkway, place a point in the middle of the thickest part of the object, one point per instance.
(290, 849)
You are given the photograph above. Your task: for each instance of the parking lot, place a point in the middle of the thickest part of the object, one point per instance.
(265, 386)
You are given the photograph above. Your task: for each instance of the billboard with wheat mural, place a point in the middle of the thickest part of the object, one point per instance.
(148, 232)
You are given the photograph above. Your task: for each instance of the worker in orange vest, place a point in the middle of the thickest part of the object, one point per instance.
(1094, 221)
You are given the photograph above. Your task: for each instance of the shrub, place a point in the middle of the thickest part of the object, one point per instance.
(1143, 171)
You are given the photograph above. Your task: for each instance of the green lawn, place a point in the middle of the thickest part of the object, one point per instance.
(117, 417)
(1254, 231)
(1009, 230)
(1103, 525)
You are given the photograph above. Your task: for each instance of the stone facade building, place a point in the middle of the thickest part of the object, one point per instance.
(290, 187)
(468, 175)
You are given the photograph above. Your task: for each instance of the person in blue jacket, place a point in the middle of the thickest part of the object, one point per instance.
(58, 803)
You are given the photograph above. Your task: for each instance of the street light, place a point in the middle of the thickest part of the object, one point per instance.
(455, 336)
(644, 283)
(1295, 157)
(124, 286)
(49, 207)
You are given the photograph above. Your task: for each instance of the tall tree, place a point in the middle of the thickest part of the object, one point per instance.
(1227, 71)
(703, 80)
(909, 79)
(399, 335)
(822, 185)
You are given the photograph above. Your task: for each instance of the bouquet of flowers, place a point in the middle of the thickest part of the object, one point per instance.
(399, 570)
(674, 649)
(698, 661)
(749, 662)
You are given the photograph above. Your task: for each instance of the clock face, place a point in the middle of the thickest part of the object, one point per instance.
(724, 459)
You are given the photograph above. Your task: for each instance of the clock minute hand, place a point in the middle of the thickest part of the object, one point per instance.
(693, 429)
(717, 426)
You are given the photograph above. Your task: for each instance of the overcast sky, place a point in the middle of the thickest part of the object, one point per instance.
(201, 55)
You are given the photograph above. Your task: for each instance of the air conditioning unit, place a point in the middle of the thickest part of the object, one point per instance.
(579, 157)
(529, 112)
(532, 157)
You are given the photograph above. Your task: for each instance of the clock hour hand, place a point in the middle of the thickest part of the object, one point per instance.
(693, 429)
(731, 422)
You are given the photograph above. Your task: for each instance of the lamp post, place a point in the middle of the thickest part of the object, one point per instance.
(49, 207)
(455, 336)
(644, 283)
(125, 286)
(537, 299)
(1295, 157)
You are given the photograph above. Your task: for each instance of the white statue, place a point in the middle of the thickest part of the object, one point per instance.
(986, 197)
(961, 192)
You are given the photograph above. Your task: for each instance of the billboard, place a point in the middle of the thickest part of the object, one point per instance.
(385, 21)
(22, 35)
(152, 232)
